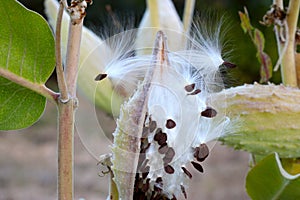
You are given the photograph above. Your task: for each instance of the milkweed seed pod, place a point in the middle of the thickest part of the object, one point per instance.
(166, 125)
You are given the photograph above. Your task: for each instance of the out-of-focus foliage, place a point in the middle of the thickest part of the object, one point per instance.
(268, 180)
(248, 69)
(258, 39)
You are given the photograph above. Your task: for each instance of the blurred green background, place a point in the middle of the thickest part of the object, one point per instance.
(243, 51)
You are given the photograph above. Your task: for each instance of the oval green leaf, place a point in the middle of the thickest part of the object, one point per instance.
(269, 181)
(27, 54)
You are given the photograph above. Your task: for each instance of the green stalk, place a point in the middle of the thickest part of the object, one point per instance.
(188, 14)
(153, 11)
(288, 64)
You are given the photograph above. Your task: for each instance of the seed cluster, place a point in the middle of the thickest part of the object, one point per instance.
(145, 186)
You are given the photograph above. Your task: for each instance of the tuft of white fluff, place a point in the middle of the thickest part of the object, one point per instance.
(168, 99)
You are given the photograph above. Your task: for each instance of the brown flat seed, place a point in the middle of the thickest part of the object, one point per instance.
(146, 185)
(145, 174)
(163, 148)
(197, 166)
(183, 191)
(167, 160)
(187, 172)
(229, 64)
(144, 165)
(190, 87)
(196, 152)
(100, 77)
(170, 153)
(158, 184)
(197, 91)
(174, 197)
(145, 146)
(169, 169)
(158, 180)
(152, 126)
(170, 124)
(160, 137)
(146, 132)
(209, 112)
(203, 152)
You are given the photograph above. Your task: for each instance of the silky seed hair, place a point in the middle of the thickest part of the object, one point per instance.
(179, 117)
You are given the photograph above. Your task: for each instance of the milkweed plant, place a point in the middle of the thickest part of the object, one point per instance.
(164, 82)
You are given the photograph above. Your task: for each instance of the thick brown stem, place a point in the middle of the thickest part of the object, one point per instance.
(65, 150)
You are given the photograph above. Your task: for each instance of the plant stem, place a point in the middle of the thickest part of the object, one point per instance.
(188, 14)
(36, 87)
(298, 68)
(73, 51)
(59, 67)
(289, 60)
(67, 108)
(288, 68)
(65, 150)
(154, 15)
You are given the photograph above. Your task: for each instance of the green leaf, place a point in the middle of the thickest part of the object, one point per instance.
(20, 107)
(245, 21)
(26, 56)
(259, 40)
(269, 181)
(266, 66)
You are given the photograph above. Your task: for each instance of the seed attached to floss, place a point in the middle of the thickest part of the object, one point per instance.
(209, 112)
(169, 169)
(190, 88)
(197, 91)
(187, 172)
(202, 152)
(170, 124)
(170, 153)
(174, 197)
(158, 184)
(197, 166)
(160, 137)
(152, 126)
(163, 148)
(183, 191)
(100, 77)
